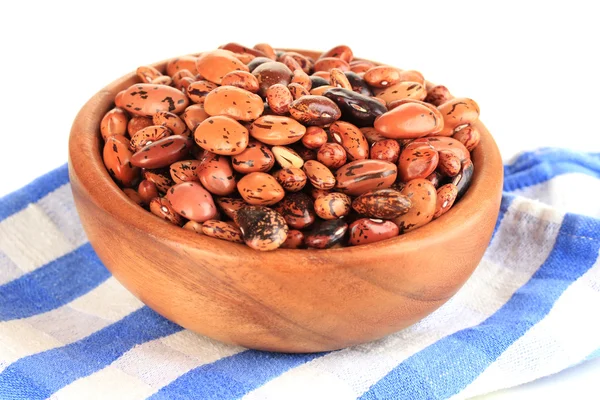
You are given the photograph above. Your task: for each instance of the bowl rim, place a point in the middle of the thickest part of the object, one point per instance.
(85, 159)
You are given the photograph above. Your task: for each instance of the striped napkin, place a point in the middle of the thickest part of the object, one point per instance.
(68, 330)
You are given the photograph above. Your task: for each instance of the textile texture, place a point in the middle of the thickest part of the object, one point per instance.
(69, 330)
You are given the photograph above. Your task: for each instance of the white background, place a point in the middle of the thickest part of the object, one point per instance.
(532, 67)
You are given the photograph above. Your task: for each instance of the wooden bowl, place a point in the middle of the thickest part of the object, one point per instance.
(285, 300)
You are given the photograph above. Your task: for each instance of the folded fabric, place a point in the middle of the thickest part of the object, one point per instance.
(68, 330)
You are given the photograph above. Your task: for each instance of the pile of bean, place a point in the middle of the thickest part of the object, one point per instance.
(276, 149)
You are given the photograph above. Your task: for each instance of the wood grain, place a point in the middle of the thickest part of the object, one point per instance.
(286, 300)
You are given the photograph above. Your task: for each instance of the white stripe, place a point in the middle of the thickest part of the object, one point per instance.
(155, 364)
(31, 238)
(109, 383)
(563, 338)
(525, 239)
(9, 269)
(106, 304)
(571, 192)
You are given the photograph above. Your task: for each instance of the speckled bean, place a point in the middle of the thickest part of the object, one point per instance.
(145, 99)
(221, 135)
(469, 136)
(114, 122)
(222, 230)
(332, 155)
(446, 196)
(449, 164)
(286, 157)
(277, 130)
(410, 120)
(438, 95)
(184, 171)
(368, 230)
(294, 240)
(423, 198)
(351, 139)
(360, 176)
(417, 160)
(234, 102)
(257, 157)
(386, 150)
(326, 234)
(216, 175)
(402, 90)
(297, 209)
(356, 108)
(271, 73)
(118, 161)
(163, 152)
(194, 115)
(262, 228)
(333, 205)
(136, 123)
(161, 207)
(171, 121)
(315, 110)
(291, 179)
(259, 188)
(319, 175)
(242, 79)
(342, 52)
(192, 201)
(382, 203)
(148, 135)
(297, 91)
(160, 178)
(214, 65)
(279, 98)
(314, 137)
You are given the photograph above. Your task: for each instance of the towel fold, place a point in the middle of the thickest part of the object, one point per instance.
(69, 330)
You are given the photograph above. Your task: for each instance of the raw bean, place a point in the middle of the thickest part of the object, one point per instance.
(147, 73)
(339, 79)
(297, 209)
(242, 79)
(417, 160)
(319, 175)
(358, 83)
(294, 240)
(134, 196)
(342, 52)
(185, 171)
(171, 121)
(301, 78)
(114, 122)
(412, 76)
(326, 234)
(259, 188)
(256, 62)
(409, 120)
(306, 63)
(382, 76)
(457, 112)
(214, 65)
(266, 49)
(291, 63)
(279, 98)
(162, 80)
(462, 181)
(161, 207)
(332, 155)
(145, 99)
(216, 175)
(221, 135)
(147, 136)
(234, 102)
(423, 197)
(257, 157)
(438, 95)
(367, 230)
(403, 90)
(184, 83)
(230, 206)
(318, 81)
(198, 90)
(435, 178)
(297, 91)
(287, 157)
(360, 176)
(277, 130)
(449, 163)
(381, 203)
(372, 135)
(147, 191)
(118, 161)
(441, 143)
(327, 63)
(222, 230)
(469, 136)
(262, 228)
(163, 152)
(361, 66)
(386, 150)
(355, 107)
(194, 115)
(333, 205)
(315, 110)
(192, 201)
(446, 196)
(181, 63)
(351, 138)
(316, 193)
(306, 154)
(271, 73)
(291, 179)
(193, 226)
(314, 137)
(320, 90)
(137, 123)
(179, 75)
(160, 178)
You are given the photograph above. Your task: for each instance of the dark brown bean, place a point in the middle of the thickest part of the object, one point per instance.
(297, 209)
(315, 110)
(262, 228)
(294, 240)
(271, 73)
(326, 234)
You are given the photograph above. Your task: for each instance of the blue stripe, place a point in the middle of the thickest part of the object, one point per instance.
(40, 375)
(593, 354)
(33, 192)
(52, 285)
(449, 365)
(232, 377)
(540, 166)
